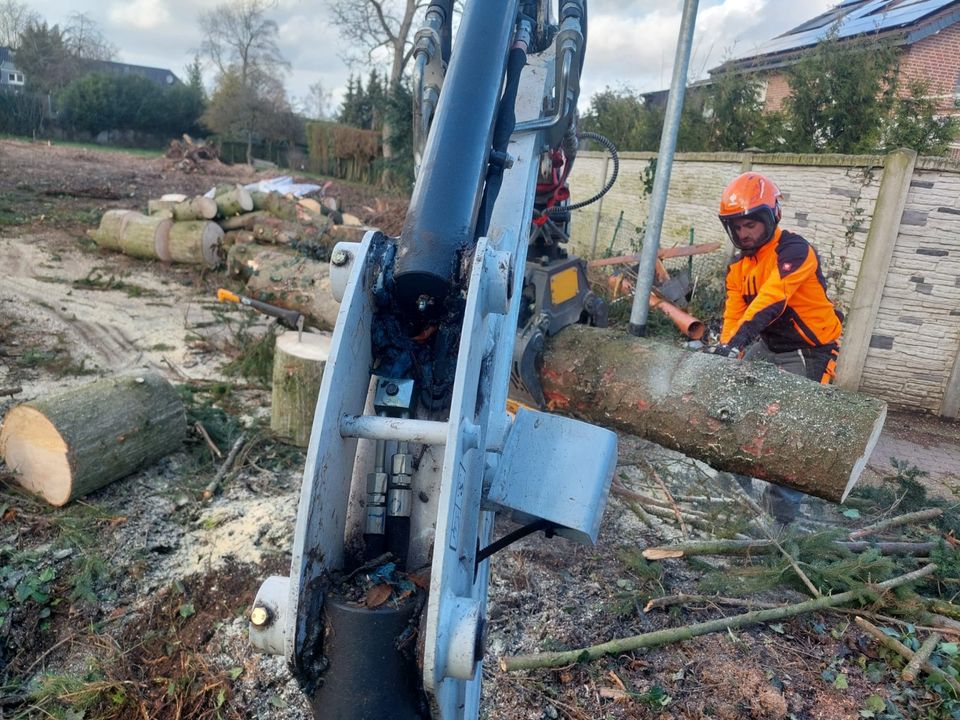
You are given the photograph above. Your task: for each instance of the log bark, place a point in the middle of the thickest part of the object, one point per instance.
(746, 418)
(160, 206)
(112, 225)
(196, 242)
(145, 236)
(236, 237)
(234, 201)
(69, 444)
(290, 281)
(244, 221)
(298, 364)
(276, 204)
(195, 208)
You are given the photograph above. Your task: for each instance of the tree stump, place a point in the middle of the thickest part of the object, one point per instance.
(145, 236)
(297, 370)
(112, 225)
(67, 445)
(197, 242)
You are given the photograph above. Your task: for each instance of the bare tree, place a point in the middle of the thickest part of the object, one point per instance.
(84, 40)
(14, 19)
(240, 40)
(316, 104)
(374, 25)
(239, 36)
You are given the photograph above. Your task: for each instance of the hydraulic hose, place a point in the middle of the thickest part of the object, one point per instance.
(612, 149)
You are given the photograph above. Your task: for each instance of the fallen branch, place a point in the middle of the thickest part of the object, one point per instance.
(901, 649)
(663, 637)
(663, 487)
(751, 547)
(4, 392)
(198, 426)
(921, 656)
(918, 516)
(214, 484)
(684, 599)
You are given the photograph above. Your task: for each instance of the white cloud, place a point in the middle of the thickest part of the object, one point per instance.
(140, 14)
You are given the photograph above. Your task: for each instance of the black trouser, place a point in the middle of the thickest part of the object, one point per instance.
(814, 363)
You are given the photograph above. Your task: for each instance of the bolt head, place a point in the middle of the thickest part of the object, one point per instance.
(339, 257)
(259, 616)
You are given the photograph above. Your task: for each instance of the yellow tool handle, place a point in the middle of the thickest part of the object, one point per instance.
(224, 295)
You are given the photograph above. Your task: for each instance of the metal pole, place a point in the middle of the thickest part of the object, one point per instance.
(661, 182)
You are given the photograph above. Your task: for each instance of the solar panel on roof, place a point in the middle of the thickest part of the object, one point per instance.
(860, 18)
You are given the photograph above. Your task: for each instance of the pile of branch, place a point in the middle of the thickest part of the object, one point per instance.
(934, 617)
(189, 155)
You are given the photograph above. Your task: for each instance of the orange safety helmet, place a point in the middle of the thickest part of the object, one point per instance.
(755, 196)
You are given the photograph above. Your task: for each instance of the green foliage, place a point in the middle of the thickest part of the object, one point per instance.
(255, 357)
(104, 101)
(399, 119)
(840, 95)
(733, 109)
(915, 123)
(44, 58)
(21, 113)
(622, 117)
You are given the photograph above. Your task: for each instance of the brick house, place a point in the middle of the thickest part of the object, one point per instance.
(927, 33)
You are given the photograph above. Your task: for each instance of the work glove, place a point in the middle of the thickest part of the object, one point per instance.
(723, 350)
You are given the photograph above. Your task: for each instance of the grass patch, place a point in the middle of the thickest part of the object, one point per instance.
(97, 280)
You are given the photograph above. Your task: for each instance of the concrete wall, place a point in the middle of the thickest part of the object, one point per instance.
(911, 349)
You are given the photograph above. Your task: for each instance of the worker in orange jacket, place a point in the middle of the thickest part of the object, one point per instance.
(777, 309)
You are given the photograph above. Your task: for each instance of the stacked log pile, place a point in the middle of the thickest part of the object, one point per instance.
(200, 230)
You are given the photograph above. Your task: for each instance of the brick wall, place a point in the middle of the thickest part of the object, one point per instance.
(830, 200)
(777, 89)
(935, 60)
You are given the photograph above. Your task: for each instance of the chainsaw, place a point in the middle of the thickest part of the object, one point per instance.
(413, 454)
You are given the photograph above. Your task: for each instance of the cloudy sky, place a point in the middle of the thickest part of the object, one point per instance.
(631, 45)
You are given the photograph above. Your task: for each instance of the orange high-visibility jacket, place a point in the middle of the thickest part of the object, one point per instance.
(779, 294)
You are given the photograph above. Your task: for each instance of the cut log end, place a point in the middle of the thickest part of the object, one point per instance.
(36, 451)
(860, 465)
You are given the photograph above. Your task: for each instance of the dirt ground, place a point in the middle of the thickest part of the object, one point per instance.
(133, 602)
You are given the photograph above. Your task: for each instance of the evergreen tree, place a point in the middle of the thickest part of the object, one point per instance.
(915, 123)
(840, 95)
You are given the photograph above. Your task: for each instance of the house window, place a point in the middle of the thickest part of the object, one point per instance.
(15, 78)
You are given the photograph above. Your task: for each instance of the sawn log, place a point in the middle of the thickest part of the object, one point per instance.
(742, 417)
(66, 445)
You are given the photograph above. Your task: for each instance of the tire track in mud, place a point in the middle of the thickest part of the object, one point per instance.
(106, 326)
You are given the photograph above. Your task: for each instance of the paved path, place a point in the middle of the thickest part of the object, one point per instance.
(931, 444)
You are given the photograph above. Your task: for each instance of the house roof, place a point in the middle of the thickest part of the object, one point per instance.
(908, 21)
(161, 76)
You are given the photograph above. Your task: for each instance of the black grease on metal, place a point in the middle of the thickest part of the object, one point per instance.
(408, 344)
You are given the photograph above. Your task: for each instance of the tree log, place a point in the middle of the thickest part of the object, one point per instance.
(145, 236)
(274, 203)
(112, 225)
(244, 221)
(67, 445)
(196, 208)
(236, 237)
(746, 418)
(298, 364)
(159, 206)
(234, 201)
(195, 241)
(291, 281)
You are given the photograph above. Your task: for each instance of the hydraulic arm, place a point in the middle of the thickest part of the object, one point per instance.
(413, 453)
